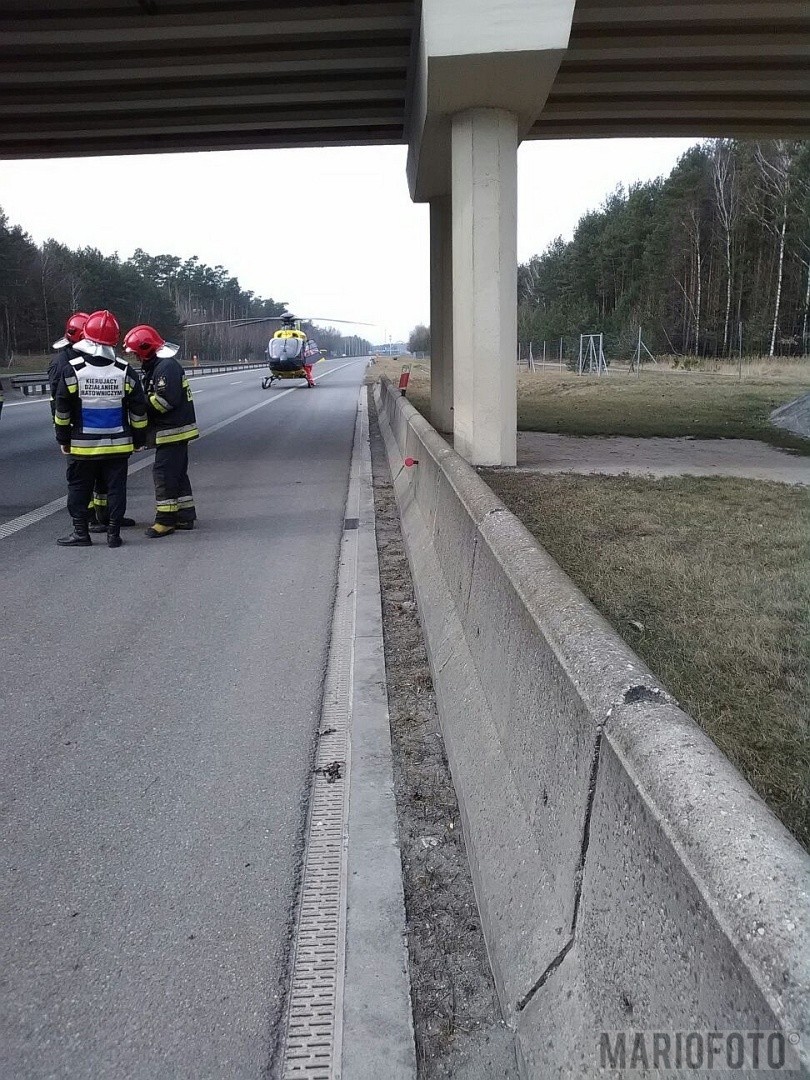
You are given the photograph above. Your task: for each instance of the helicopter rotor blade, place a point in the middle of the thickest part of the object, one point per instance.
(274, 318)
(235, 322)
(323, 319)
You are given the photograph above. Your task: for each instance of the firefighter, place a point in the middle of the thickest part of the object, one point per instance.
(100, 418)
(65, 352)
(172, 426)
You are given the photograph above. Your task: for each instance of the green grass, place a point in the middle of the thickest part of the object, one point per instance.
(659, 403)
(709, 581)
(24, 365)
(702, 406)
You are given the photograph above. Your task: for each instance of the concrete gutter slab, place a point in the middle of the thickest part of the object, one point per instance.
(349, 1015)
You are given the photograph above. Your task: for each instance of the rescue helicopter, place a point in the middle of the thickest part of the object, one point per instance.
(290, 353)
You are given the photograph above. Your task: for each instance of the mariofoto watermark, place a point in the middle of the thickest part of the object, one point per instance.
(699, 1051)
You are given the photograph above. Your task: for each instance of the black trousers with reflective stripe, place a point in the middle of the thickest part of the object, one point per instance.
(105, 473)
(174, 500)
(98, 503)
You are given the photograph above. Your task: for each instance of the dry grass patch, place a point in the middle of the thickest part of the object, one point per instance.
(26, 365)
(699, 405)
(709, 581)
(419, 385)
(659, 403)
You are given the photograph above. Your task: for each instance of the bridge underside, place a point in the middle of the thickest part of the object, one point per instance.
(669, 67)
(135, 76)
(120, 77)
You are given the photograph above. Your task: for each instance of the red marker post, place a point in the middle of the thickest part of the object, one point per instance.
(403, 379)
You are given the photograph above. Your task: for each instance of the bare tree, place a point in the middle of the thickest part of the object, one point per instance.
(802, 248)
(775, 166)
(692, 224)
(727, 199)
(44, 272)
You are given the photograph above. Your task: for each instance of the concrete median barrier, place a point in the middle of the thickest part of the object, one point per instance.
(629, 880)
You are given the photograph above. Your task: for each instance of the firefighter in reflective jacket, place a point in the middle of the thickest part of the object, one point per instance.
(172, 426)
(100, 418)
(65, 352)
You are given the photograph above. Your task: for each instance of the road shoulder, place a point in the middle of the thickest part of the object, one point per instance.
(349, 1012)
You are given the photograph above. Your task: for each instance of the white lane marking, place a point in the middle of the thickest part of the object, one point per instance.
(221, 375)
(42, 399)
(237, 382)
(15, 404)
(194, 380)
(33, 516)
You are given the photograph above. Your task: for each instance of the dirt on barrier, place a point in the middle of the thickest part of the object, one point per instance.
(457, 1020)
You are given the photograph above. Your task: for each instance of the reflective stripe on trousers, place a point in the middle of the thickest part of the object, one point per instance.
(174, 500)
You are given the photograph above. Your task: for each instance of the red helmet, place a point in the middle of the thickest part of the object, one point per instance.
(74, 327)
(145, 342)
(102, 328)
(74, 330)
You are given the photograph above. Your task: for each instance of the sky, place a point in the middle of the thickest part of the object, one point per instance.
(331, 231)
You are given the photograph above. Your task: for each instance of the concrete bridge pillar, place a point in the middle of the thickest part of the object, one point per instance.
(441, 314)
(482, 71)
(484, 198)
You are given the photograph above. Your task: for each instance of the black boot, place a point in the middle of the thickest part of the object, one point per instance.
(80, 537)
(102, 527)
(114, 536)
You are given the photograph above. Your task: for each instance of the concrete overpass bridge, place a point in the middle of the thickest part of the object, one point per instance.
(462, 82)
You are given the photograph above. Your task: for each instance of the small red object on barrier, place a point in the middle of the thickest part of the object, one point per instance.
(409, 461)
(403, 379)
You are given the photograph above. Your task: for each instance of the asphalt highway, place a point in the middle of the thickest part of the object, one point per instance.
(159, 706)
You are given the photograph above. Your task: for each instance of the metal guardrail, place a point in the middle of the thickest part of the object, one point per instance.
(37, 382)
(223, 369)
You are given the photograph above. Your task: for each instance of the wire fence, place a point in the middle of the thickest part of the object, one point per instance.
(565, 354)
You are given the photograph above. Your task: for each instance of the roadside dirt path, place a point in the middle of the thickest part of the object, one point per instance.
(459, 1031)
(543, 453)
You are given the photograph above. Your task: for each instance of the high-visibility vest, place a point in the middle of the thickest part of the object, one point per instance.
(104, 420)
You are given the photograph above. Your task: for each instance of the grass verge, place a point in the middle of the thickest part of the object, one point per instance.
(709, 581)
(702, 406)
(418, 387)
(25, 365)
(658, 403)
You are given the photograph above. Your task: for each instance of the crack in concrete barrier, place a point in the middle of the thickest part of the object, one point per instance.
(580, 872)
(552, 967)
(633, 694)
(472, 574)
(586, 828)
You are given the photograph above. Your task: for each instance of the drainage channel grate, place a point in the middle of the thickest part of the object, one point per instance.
(312, 1044)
